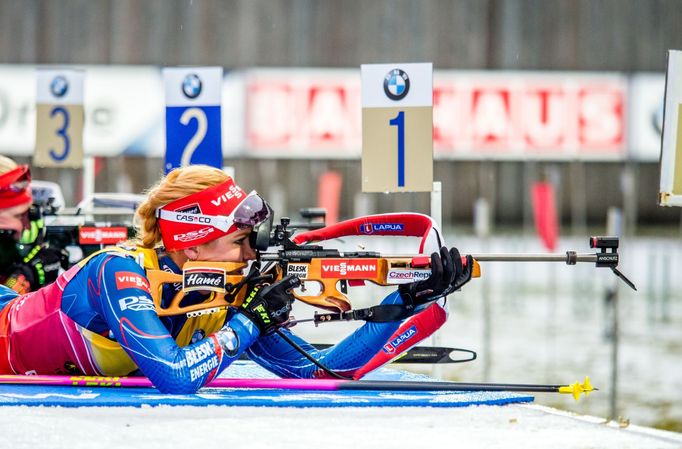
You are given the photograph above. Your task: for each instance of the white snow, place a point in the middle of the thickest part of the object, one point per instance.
(515, 426)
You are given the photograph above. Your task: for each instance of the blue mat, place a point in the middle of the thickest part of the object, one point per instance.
(35, 395)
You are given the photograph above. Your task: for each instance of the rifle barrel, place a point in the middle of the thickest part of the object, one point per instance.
(568, 257)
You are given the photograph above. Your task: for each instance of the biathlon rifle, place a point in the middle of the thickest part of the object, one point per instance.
(76, 229)
(325, 275)
(332, 271)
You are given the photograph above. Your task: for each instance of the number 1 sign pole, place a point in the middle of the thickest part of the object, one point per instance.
(397, 127)
(397, 133)
(193, 128)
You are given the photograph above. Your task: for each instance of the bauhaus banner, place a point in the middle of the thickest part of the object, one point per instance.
(317, 113)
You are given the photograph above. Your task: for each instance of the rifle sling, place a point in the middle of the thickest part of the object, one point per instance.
(383, 313)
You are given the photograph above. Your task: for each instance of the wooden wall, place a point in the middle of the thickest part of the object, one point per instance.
(621, 35)
(594, 35)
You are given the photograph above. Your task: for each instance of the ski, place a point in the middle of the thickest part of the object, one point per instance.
(421, 354)
(575, 389)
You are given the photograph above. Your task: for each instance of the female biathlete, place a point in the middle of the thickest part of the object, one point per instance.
(98, 318)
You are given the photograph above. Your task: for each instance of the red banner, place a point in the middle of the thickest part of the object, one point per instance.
(475, 114)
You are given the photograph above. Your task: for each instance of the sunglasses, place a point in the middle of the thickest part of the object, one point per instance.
(251, 212)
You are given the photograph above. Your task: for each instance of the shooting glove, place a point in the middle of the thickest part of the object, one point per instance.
(439, 284)
(268, 306)
(44, 263)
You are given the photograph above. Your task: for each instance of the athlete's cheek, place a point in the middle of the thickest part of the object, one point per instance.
(248, 253)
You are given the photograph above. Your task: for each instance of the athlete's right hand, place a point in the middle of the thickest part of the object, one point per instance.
(42, 265)
(47, 263)
(268, 306)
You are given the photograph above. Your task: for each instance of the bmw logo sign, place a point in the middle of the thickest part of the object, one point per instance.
(59, 86)
(191, 86)
(396, 84)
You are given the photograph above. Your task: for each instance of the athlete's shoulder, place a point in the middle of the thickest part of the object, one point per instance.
(113, 260)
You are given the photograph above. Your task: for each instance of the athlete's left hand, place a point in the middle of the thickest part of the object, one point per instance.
(437, 285)
(463, 272)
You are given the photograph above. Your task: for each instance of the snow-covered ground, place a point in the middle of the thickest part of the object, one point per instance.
(487, 427)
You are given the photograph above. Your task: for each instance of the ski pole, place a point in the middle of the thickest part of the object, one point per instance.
(574, 389)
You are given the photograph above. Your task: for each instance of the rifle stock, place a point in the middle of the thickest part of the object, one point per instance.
(225, 280)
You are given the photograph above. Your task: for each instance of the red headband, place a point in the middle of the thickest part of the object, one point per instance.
(14, 187)
(209, 214)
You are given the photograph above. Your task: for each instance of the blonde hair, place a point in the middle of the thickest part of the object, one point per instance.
(6, 164)
(177, 184)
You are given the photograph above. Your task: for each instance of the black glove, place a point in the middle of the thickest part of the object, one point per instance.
(44, 263)
(437, 285)
(462, 272)
(268, 306)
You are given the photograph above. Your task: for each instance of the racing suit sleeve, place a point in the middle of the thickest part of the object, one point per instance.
(413, 330)
(123, 295)
(346, 357)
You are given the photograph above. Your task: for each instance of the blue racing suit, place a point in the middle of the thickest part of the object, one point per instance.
(98, 318)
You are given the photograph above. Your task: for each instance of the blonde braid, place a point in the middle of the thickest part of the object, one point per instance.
(6, 164)
(177, 184)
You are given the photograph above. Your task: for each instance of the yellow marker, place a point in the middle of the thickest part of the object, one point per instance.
(576, 389)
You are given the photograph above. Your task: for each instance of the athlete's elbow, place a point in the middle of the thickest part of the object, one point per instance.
(171, 385)
(174, 381)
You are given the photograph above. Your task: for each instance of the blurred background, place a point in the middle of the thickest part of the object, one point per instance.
(566, 92)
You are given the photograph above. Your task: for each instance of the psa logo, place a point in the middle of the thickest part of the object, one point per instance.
(371, 228)
(136, 303)
(200, 278)
(397, 342)
(128, 279)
